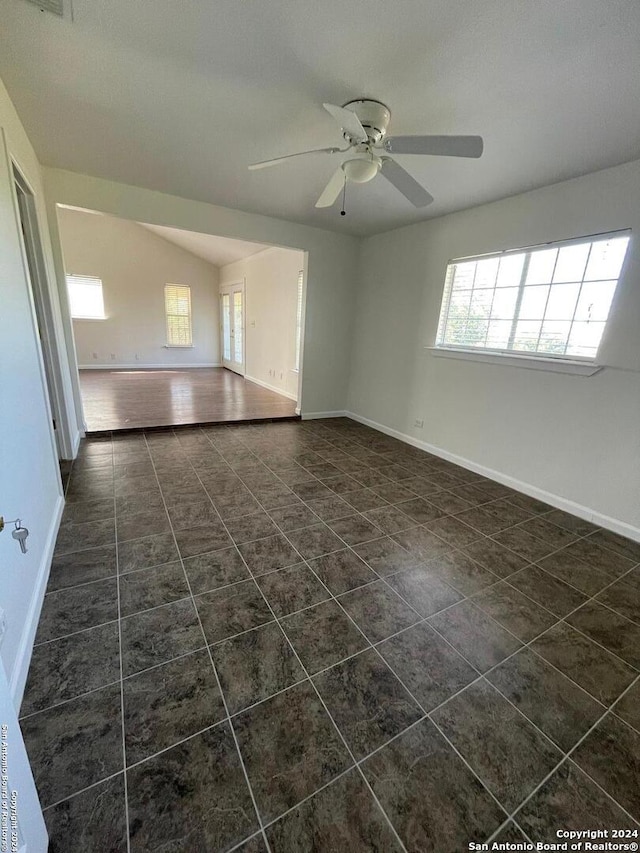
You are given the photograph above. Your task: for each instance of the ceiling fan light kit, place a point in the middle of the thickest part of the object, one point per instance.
(364, 123)
(360, 170)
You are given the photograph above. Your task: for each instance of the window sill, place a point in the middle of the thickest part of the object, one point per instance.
(530, 362)
(91, 319)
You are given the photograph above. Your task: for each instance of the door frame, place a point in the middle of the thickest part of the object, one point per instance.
(42, 308)
(229, 287)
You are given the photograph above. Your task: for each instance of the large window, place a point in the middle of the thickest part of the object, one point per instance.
(85, 297)
(177, 305)
(552, 300)
(299, 319)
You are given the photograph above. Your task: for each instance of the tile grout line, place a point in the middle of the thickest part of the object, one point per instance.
(482, 675)
(425, 619)
(315, 689)
(456, 549)
(215, 672)
(385, 663)
(84, 790)
(567, 757)
(565, 754)
(122, 709)
(466, 597)
(533, 516)
(373, 647)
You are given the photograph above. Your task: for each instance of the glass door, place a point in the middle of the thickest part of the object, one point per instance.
(232, 326)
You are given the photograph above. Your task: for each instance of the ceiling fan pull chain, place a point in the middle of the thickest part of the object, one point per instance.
(343, 212)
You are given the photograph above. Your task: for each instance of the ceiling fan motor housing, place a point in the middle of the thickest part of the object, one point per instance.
(374, 117)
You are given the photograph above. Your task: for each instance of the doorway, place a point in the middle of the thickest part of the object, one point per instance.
(227, 350)
(232, 326)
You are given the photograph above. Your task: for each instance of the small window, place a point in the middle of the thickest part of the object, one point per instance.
(299, 319)
(177, 306)
(550, 300)
(85, 297)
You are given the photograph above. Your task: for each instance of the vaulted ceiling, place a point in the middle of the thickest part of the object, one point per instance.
(182, 96)
(217, 250)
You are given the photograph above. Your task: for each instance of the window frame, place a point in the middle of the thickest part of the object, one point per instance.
(539, 359)
(92, 280)
(168, 315)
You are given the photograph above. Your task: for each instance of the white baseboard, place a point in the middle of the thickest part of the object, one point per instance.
(586, 513)
(140, 366)
(271, 387)
(312, 416)
(23, 657)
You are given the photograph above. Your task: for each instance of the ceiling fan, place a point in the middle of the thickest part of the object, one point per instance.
(364, 126)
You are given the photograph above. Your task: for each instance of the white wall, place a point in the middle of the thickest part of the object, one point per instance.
(29, 476)
(271, 297)
(134, 265)
(331, 274)
(575, 437)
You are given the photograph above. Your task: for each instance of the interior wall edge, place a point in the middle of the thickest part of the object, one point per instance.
(20, 670)
(557, 501)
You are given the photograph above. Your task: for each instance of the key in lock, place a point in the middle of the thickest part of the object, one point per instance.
(20, 533)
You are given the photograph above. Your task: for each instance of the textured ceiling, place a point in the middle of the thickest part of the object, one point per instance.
(182, 96)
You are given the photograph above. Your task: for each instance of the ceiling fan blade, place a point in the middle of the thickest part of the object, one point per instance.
(348, 121)
(444, 146)
(402, 180)
(264, 164)
(333, 189)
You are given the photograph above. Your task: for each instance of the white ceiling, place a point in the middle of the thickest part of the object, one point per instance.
(181, 96)
(216, 250)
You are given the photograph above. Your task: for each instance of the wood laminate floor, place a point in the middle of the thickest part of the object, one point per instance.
(127, 399)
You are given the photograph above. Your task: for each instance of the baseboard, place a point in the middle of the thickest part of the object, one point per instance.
(139, 366)
(23, 657)
(586, 513)
(312, 416)
(271, 387)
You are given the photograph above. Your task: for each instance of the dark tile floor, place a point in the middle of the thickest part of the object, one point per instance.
(308, 636)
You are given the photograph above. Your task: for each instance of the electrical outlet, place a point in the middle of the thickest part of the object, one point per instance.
(419, 423)
(137, 356)
(113, 356)
(3, 625)
(94, 354)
